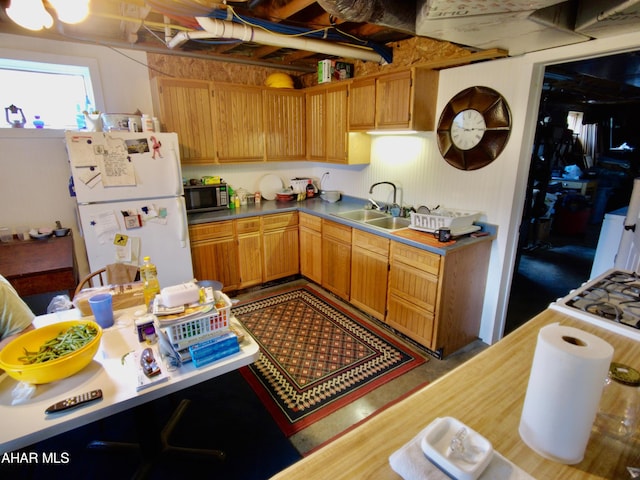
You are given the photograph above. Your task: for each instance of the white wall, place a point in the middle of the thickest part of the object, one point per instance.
(34, 170)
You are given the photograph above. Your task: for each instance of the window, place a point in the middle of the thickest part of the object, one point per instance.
(55, 92)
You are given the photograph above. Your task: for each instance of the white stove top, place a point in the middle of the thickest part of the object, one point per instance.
(610, 301)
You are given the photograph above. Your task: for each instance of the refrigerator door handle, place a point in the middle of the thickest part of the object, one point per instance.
(178, 173)
(183, 233)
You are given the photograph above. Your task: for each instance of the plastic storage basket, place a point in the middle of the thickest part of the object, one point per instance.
(193, 330)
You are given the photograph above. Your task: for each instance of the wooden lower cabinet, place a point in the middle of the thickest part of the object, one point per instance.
(214, 253)
(336, 258)
(369, 272)
(437, 300)
(311, 247)
(249, 251)
(280, 245)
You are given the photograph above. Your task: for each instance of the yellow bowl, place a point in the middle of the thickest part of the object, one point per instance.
(52, 370)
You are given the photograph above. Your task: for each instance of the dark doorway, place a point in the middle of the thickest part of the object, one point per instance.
(577, 175)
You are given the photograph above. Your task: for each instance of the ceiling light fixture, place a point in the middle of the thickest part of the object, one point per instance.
(71, 11)
(29, 14)
(33, 15)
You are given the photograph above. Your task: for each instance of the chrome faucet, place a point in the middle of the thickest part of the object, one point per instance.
(388, 183)
(374, 204)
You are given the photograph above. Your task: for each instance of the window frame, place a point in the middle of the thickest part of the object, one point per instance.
(54, 63)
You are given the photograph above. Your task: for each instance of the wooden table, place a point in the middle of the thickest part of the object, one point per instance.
(486, 393)
(39, 266)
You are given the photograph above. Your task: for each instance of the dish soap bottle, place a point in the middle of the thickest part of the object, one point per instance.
(149, 275)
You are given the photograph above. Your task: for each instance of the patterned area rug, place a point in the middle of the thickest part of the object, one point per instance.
(316, 356)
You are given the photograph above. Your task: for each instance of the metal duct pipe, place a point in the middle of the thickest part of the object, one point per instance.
(214, 28)
(389, 13)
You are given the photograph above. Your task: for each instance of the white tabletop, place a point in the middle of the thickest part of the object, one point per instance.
(26, 423)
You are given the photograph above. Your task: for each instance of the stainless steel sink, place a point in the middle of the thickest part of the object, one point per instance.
(361, 215)
(390, 223)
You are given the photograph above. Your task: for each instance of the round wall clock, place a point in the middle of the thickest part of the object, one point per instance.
(474, 128)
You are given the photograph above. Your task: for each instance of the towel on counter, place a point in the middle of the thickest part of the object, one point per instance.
(411, 463)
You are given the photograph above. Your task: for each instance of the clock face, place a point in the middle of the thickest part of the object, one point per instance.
(467, 129)
(474, 128)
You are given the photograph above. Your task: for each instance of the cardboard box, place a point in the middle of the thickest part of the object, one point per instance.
(324, 71)
(332, 70)
(124, 296)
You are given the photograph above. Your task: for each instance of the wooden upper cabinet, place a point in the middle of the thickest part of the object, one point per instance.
(284, 124)
(184, 107)
(362, 111)
(336, 124)
(404, 100)
(239, 123)
(407, 99)
(328, 138)
(316, 99)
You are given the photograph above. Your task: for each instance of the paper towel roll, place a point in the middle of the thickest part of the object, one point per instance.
(567, 376)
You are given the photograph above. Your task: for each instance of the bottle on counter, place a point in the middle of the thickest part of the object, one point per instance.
(149, 275)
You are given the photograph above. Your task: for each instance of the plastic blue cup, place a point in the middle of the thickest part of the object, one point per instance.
(102, 308)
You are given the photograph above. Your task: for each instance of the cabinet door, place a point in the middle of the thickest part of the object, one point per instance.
(284, 124)
(280, 253)
(362, 105)
(185, 107)
(369, 272)
(311, 254)
(316, 119)
(249, 251)
(369, 282)
(238, 123)
(336, 124)
(394, 100)
(311, 246)
(216, 260)
(336, 258)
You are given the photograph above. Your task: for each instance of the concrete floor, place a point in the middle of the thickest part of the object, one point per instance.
(339, 421)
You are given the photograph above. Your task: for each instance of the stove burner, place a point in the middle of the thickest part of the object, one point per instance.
(611, 300)
(623, 277)
(604, 310)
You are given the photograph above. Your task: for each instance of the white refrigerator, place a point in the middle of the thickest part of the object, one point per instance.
(130, 201)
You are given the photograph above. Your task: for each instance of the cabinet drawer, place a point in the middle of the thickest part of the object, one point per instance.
(371, 242)
(421, 259)
(415, 287)
(280, 220)
(336, 231)
(247, 225)
(411, 320)
(310, 221)
(209, 231)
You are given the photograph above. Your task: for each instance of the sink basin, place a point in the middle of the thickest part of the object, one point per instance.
(361, 215)
(390, 223)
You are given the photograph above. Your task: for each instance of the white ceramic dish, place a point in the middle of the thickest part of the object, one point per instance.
(464, 465)
(269, 185)
(39, 236)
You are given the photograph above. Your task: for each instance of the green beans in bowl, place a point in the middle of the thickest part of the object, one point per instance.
(52, 352)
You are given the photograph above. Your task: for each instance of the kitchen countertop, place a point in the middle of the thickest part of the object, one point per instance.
(487, 394)
(316, 206)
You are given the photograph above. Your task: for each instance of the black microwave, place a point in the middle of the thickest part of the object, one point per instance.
(206, 198)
